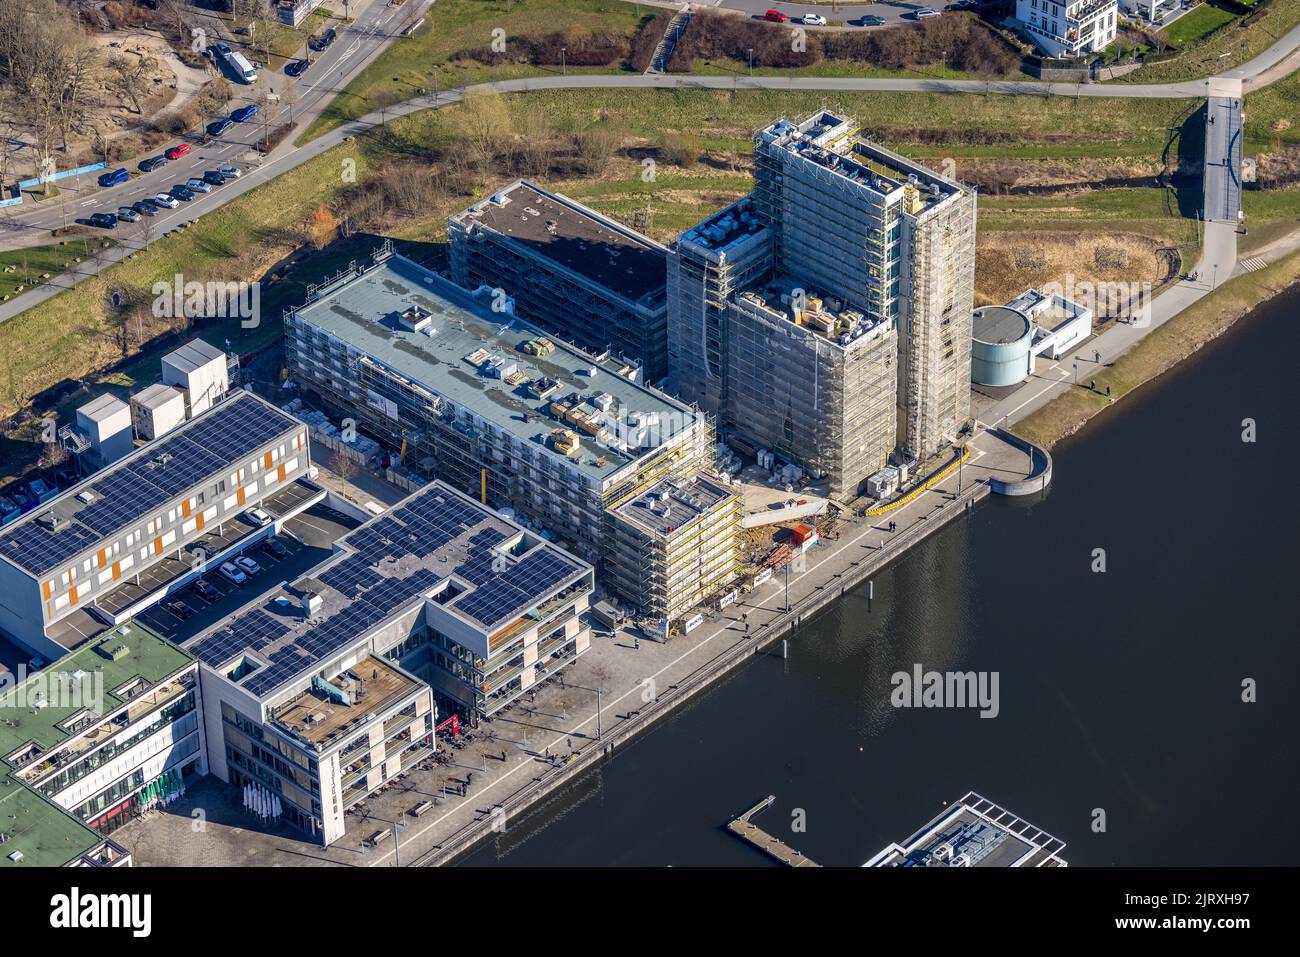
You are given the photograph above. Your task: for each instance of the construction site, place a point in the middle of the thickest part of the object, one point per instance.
(488, 403)
(825, 319)
(577, 274)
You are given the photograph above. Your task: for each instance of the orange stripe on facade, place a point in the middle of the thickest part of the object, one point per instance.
(72, 594)
(157, 546)
(117, 570)
(45, 590)
(199, 520)
(240, 497)
(102, 558)
(281, 472)
(266, 460)
(185, 508)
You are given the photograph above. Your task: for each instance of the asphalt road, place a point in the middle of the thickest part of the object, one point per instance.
(374, 25)
(1274, 63)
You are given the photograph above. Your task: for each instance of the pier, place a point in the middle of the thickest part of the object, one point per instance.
(751, 833)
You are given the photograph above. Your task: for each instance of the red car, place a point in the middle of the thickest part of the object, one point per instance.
(776, 16)
(176, 152)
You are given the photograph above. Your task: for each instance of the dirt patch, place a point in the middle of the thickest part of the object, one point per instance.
(1008, 263)
(1003, 176)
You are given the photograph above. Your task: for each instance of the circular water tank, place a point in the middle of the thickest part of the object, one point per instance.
(1000, 340)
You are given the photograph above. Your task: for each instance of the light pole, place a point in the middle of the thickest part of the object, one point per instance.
(435, 84)
(564, 67)
(1076, 371)
(751, 62)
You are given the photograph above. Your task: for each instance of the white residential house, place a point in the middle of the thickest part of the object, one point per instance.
(1069, 29)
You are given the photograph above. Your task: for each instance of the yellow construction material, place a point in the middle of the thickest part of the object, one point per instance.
(929, 483)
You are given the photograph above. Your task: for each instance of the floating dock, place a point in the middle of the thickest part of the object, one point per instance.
(751, 833)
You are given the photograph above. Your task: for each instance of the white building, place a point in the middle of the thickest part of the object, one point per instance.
(1069, 29)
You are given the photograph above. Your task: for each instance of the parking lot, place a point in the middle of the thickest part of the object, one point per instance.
(307, 538)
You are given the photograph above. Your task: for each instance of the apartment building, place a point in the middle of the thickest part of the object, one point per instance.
(679, 547)
(489, 403)
(108, 732)
(574, 273)
(108, 546)
(324, 690)
(827, 315)
(1070, 29)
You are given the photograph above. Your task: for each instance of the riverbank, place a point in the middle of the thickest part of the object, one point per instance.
(1176, 340)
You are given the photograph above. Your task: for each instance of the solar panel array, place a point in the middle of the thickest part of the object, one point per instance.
(200, 452)
(421, 526)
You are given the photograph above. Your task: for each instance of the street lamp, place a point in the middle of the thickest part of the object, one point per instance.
(435, 84)
(751, 61)
(564, 68)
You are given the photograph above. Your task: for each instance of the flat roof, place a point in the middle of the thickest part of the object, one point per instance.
(999, 325)
(384, 567)
(667, 505)
(726, 228)
(101, 408)
(193, 454)
(823, 315)
(371, 686)
(991, 835)
(193, 355)
(575, 237)
(157, 395)
(41, 831)
(365, 311)
(834, 143)
(33, 711)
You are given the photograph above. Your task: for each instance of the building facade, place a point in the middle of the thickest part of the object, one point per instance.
(1069, 29)
(69, 556)
(110, 730)
(679, 547)
(571, 271)
(486, 402)
(827, 315)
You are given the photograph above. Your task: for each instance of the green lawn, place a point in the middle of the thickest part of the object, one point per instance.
(404, 70)
(31, 267)
(1224, 50)
(1193, 26)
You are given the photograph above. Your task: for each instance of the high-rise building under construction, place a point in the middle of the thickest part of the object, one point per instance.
(860, 263)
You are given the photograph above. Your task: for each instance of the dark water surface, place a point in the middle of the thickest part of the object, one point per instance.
(1119, 691)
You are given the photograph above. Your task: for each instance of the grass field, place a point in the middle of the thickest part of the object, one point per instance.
(70, 336)
(405, 69)
(1226, 49)
(31, 267)
(1191, 27)
(1160, 351)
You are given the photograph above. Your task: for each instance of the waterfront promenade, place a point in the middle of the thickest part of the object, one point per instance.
(548, 741)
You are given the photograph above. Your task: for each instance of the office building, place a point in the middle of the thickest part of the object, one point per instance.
(974, 832)
(574, 273)
(118, 540)
(108, 731)
(323, 691)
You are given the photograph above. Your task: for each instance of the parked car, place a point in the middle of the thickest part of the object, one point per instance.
(776, 16)
(146, 207)
(814, 20)
(104, 220)
(230, 172)
(296, 67)
(214, 178)
(232, 574)
(322, 41)
(258, 517)
(870, 20)
(244, 113)
(182, 193)
(217, 127)
(923, 12)
(205, 590)
(176, 152)
(181, 610)
(115, 178)
(273, 546)
(152, 163)
(167, 200)
(247, 565)
(127, 214)
(198, 185)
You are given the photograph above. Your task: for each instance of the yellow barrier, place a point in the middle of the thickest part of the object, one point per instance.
(925, 487)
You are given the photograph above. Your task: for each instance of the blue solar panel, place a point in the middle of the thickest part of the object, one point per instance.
(170, 467)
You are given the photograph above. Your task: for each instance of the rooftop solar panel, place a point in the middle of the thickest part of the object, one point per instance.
(156, 474)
